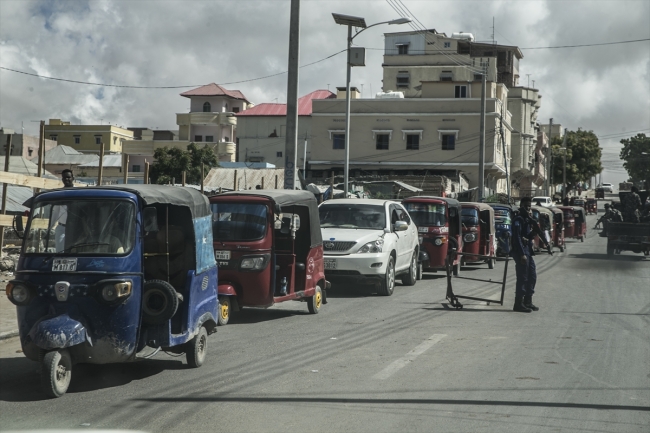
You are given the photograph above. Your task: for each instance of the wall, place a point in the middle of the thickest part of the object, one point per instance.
(24, 145)
(112, 136)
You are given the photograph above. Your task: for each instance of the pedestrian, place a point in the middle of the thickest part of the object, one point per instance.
(522, 252)
(67, 178)
(60, 212)
(631, 206)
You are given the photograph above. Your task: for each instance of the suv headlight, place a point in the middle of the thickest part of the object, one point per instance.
(254, 263)
(19, 294)
(372, 247)
(469, 237)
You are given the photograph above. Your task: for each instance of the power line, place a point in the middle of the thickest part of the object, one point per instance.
(587, 45)
(88, 83)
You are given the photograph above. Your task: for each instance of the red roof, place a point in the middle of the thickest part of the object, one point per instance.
(214, 90)
(304, 105)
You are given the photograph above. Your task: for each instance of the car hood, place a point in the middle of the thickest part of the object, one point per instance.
(360, 236)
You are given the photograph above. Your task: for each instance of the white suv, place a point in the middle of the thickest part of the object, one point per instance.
(607, 187)
(543, 201)
(370, 238)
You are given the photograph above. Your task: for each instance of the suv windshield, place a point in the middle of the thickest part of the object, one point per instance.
(238, 221)
(348, 216)
(81, 227)
(426, 214)
(469, 217)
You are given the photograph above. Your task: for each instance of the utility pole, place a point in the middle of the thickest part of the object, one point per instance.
(291, 144)
(548, 157)
(101, 164)
(304, 161)
(4, 185)
(481, 143)
(564, 171)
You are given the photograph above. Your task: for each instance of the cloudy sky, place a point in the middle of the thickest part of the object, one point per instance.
(170, 43)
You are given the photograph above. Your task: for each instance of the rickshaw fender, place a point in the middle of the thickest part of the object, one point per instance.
(208, 321)
(58, 333)
(227, 289)
(423, 256)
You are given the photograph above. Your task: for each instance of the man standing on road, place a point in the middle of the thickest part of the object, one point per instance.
(522, 251)
(60, 213)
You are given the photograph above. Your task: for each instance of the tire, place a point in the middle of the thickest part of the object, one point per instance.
(456, 270)
(314, 303)
(197, 348)
(420, 271)
(582, 238)
(56, 373)
(410, 278)
(491, 263)
(387, 285)
(159, 302)
(225, 310)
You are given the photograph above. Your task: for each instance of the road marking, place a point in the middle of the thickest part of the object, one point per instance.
(398, 364)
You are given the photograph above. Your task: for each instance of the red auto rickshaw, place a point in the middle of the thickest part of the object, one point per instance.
(580, 230)
(269, 249)
(544, 217)
(569, 221)
(478, 233)
(558, 233)
(592, 206)
(439, 224)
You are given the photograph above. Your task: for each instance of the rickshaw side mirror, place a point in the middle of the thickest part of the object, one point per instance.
(18, 226)
(150, 215)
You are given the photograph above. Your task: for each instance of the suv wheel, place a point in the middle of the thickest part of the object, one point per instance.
(387, 285)
(410, 278)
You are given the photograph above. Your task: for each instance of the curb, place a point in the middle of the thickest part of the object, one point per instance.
(9, 334)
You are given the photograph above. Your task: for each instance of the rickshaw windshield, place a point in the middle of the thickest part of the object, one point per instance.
(502, 216)
(469, 217)
(238, 221)
(81, 227)
(427, 214)
(568, 214)
(357, 216)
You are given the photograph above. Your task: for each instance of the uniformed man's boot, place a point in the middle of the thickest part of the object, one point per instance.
(528, 303)
(519, 305)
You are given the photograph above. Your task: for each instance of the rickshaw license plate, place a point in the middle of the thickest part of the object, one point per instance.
(64, 265)
(221, 255)
(330, 263)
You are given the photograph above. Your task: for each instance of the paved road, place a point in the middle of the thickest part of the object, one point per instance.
(404, 363)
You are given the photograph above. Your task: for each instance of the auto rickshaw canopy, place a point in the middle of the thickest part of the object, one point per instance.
(453, 205)
(486, 212)
(558, 214)
(545, 211)
(285, 198)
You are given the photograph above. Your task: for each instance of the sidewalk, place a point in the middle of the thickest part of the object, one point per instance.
(8, 322)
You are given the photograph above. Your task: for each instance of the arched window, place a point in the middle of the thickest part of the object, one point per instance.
(207, 108)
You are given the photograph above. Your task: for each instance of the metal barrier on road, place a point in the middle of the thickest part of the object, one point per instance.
(453, 298)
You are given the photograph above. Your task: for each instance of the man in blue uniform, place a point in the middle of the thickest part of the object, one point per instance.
(523, 232)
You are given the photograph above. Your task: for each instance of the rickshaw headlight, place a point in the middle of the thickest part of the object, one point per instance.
(113, 291)
(372, 247)
(438, 242)
(18, 294)
(254, 263)
(469, 237)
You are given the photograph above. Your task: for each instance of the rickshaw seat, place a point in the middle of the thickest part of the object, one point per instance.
(156, 266)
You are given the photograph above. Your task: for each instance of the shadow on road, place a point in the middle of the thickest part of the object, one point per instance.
(468, 308)
(257, 315)
(382, 401)
(617, 257)
(20, 377)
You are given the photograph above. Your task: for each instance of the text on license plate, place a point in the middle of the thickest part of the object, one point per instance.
(330, 263)
(64, 265)
(221, 255)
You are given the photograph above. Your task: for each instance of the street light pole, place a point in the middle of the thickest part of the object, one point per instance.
(564, 171)
(359, 22)
(481, 143)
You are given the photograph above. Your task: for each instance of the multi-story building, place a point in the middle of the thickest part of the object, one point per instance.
(88, 138)
(23, 145)
(261, 130)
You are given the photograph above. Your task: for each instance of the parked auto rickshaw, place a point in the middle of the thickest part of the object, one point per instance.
(439, 225)
(544, 217)
(503, 216)
(478, 233)
(114, 274)
(592, 206)
(269, 249)
(580, 202)
(599, 193)
(558, 228)
(569, 221)
(580, 230)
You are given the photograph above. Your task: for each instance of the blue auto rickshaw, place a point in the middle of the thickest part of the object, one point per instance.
(114, 274)
(503, 216)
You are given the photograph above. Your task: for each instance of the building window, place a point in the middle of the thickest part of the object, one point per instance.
(98, 139)
(53, 137)
(402, 49)
(77, 139)
(207, 108)
(403, 79)
(278, 154)
(447, 44)
(413, 142)
(209, 138)
(478, 77)
(114, 140)
(446, 76)
(338, 141)
(448, 141)
(198, 138)
(29, 151)
(225, 106)
(382, 141)
(226, 139)
(235, 109)
(461, 92)
(136, 168)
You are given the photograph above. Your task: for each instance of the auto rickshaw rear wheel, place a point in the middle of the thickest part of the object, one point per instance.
(491, 263)
(225, 308)
(56, 373)
(159, 302)
(197, 348)
(314, 303)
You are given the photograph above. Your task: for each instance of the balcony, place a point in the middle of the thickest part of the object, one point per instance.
(199, 118)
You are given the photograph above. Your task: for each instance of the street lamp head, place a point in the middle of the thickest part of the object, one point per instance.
(404, 20)
(349, 20)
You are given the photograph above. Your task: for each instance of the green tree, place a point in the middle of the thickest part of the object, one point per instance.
(172, 162)
(583, 154)
(636, 154)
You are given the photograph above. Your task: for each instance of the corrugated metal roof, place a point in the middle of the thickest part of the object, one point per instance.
(20, 165)
(213, 89)
(109, 161)
(304, 105)
(246, 178)
(16, 196)
(66, 155)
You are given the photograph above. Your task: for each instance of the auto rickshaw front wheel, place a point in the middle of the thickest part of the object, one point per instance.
(56, 373)
(225, 308)
(491, 263)
(197, 348)
(314, 303)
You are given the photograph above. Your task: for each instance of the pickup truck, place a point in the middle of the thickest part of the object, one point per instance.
(627, 236)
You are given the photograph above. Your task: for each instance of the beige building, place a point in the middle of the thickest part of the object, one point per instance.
(87, 138)
(24, 145)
